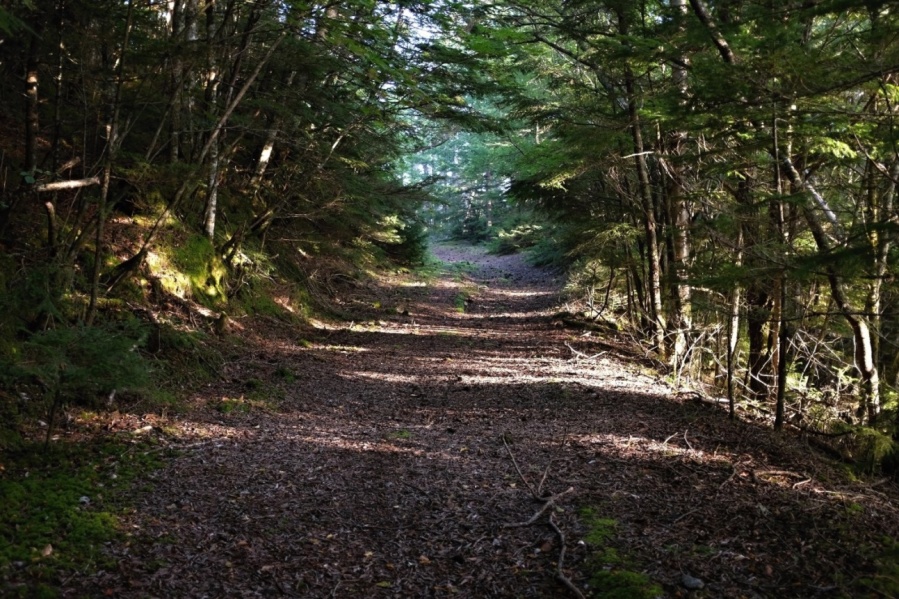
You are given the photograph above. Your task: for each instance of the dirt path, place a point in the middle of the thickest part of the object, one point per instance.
(369, 461)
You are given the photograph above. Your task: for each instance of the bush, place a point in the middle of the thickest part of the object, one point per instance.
(516, 238)
(410, 245)
(77, 365)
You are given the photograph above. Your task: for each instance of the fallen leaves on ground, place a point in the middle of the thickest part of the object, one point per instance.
(368, 459)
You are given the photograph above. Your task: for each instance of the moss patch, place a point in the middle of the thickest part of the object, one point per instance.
(609, 577)
(58, 507)
(190, 268)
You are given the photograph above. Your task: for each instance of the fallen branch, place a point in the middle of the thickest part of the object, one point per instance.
(71, 184)
(688, 442)
(548, 502)
(518, 470)
(559, 573)
(579, 354)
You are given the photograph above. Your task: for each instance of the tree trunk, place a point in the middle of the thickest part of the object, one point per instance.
(32, 103)
(861, 332)
(213, 77)
(733, 329)
(112, 146)
(657, 321)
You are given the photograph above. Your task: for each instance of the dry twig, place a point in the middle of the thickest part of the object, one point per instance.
(548, 502)
(581, 355)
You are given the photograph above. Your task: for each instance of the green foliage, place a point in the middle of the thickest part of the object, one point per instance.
(516, 234)
(886, 582)
(37, 295)
(60, 505)
(408, 243)
(79, 364)
(870, 450)
(871, 447)
(549, 251)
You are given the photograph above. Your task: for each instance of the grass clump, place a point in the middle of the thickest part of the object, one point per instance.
(59, 506)
(230, 405)
(460, 302)
(286, 374)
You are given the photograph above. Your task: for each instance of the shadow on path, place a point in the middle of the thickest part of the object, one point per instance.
(371, 463)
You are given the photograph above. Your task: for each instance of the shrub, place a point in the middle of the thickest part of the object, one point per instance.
(77, 365)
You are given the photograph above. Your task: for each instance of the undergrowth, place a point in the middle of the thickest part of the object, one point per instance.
(886, 582)
(59, 506)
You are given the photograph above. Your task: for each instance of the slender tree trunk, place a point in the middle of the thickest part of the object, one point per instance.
(733, 329)
(654, 285)
(861, 332)
(176, 81)
(213, 77)
(679, 217)
(112, 145)
(32, 103)
(783, 339)
(681, 322)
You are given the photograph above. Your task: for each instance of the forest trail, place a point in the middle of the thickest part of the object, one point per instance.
(372, 459)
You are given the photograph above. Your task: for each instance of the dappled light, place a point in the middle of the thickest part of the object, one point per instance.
(449, 299)
(380, 451)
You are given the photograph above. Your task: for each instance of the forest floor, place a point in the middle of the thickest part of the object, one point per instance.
(374, 458)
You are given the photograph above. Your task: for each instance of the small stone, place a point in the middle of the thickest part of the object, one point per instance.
(688, 582)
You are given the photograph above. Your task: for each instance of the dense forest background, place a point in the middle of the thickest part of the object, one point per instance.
(717, 179)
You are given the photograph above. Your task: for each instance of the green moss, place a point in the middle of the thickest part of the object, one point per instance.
(191, 268)
(59, 506)
(259, 302)
(622, 584)
(608, 578)
(600, 530)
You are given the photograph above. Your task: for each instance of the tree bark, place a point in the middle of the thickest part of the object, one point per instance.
(112, 146)
(213, 77)
(649, 220)
(32, 103)
(861, 332)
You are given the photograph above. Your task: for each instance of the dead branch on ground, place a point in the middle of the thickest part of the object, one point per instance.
(548, 502)
(579, 355)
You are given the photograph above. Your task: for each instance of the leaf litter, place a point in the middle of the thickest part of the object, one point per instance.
(384, 465)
